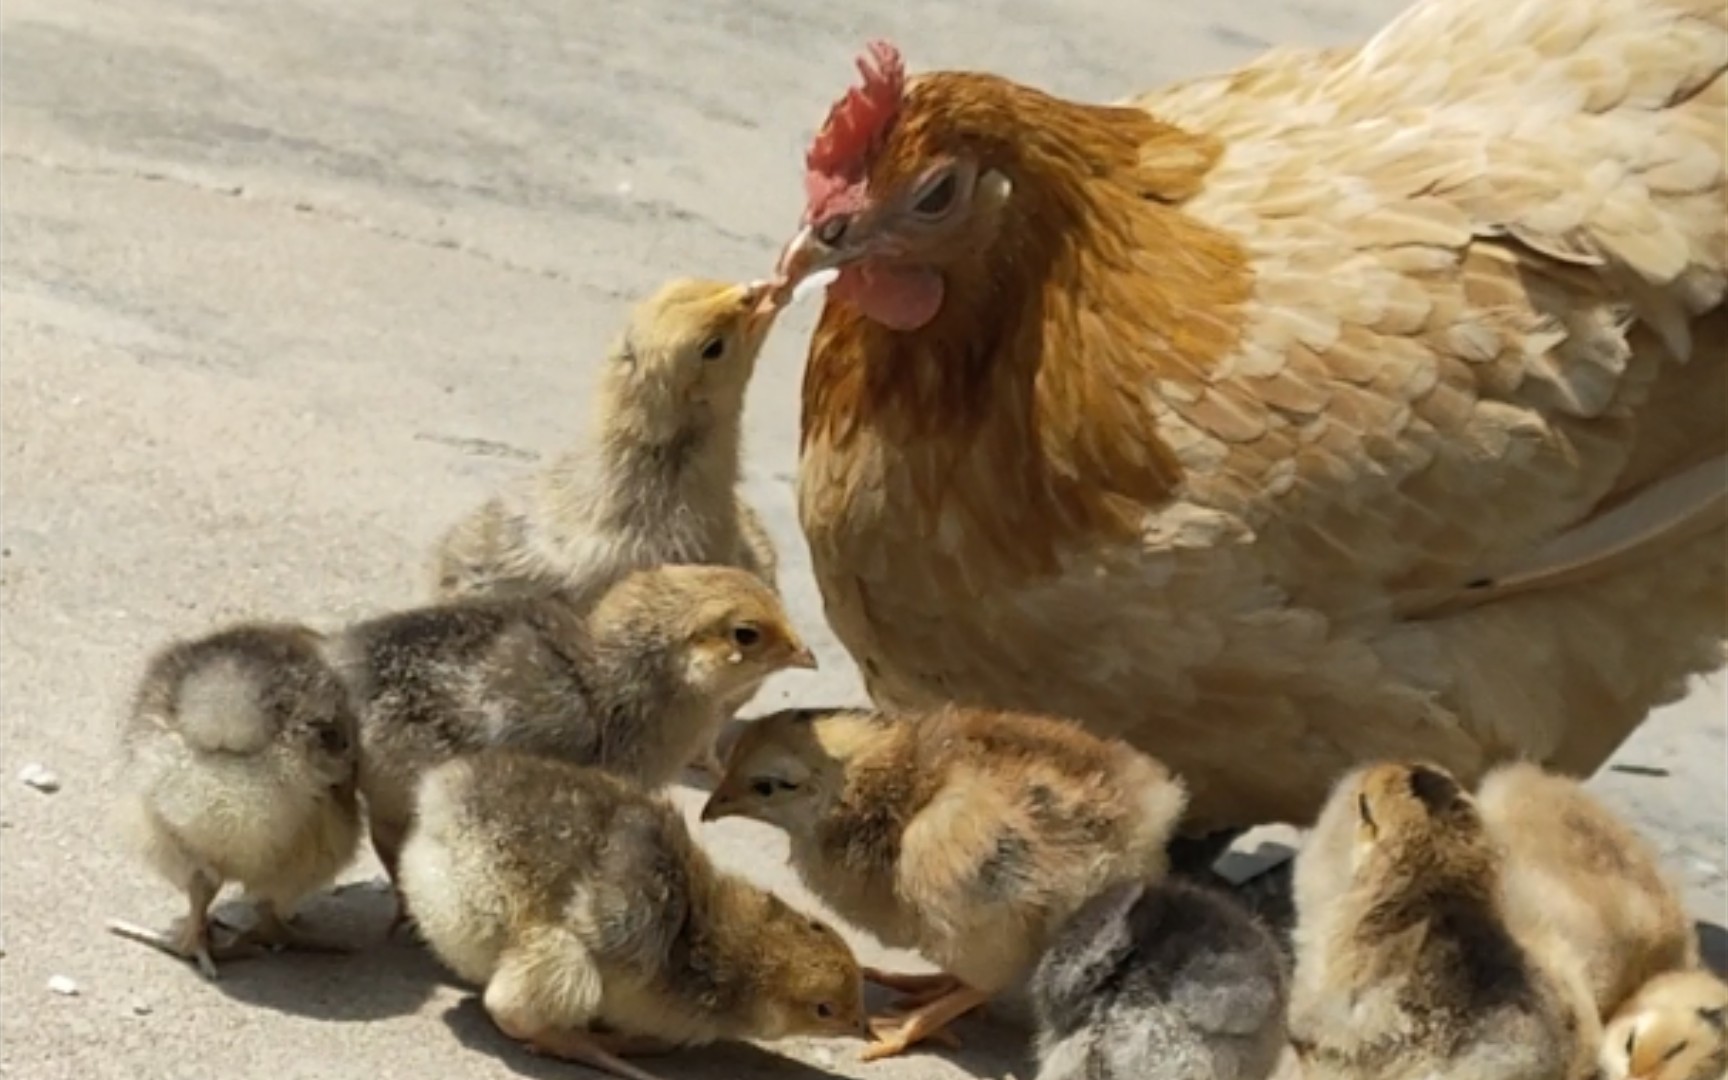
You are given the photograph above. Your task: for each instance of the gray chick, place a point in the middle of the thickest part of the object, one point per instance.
(1160, 982)
(238, 763)
(634, 686)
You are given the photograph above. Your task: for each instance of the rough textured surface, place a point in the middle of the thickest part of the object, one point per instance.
(283, 292)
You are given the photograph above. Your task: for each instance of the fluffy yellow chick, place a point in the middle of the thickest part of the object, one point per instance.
(657, 479)
(1571, 863)
(634, 684)
(238, 765)
(1674, 1028)
(1408, 966)
(581, 903)
(967, 834)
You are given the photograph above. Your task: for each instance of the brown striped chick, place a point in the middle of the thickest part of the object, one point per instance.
(967, 834)
(1572, 864)
(238, 765)
(1407, 963)
(599, 929)
(633, 686)
(1674, 1028)
(656, 482)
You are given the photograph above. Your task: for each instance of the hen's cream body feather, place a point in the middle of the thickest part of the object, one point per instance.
(1487, 254)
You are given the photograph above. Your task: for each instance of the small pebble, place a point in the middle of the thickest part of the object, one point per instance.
(63, 986)
(141, 1008)
(40, 777)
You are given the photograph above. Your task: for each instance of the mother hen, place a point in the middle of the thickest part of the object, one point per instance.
(1363, 403)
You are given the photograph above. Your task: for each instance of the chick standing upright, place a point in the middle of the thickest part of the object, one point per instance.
(1674, 1028)
(1409, 963)
(967, 834)
(1572, 864)
(632, 684)
(238, 764)
(1165, 981)
(657, 481)
(577, 900)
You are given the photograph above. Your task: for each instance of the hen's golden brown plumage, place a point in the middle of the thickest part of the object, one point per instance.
(1362, 403)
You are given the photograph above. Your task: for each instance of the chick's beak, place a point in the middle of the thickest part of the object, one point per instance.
(718, 806)
(802, 657)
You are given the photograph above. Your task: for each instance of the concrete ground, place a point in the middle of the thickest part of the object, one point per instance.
(287, 287)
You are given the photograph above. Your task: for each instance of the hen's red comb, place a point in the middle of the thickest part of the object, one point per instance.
(839, 156)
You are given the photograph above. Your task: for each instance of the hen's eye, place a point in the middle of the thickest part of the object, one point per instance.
(825, 1011)
(745, 636)
(714, 348)
(938, 197)
(833, 230)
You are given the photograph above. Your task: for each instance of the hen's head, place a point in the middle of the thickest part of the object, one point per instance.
(904, 180)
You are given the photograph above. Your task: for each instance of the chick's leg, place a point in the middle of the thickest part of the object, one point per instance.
(189, 939)
(387, 843)
(895, 1034)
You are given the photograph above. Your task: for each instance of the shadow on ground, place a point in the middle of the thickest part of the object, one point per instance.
(384, 976)
(1713, 943)
(993, 1048)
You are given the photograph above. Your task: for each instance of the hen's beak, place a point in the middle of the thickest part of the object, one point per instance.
(803, 658)
(718, 806)
(804, 255)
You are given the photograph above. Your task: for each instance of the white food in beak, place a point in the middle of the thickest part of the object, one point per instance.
(821, 279)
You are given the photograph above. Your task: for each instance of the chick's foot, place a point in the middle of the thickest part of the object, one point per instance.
(189, 939)
(597, 1051)
(927, 1023)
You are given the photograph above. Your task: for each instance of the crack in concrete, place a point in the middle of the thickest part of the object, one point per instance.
(298, 206)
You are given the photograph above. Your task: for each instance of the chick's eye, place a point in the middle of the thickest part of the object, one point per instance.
(745, 636)
(1631, 1037)
(714, 348)
(762, 788)
(1674, 1052)
(824, 1010)
(937, 197)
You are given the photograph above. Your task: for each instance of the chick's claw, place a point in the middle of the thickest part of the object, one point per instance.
(928, 1023)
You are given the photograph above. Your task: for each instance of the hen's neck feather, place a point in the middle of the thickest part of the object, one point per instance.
(1051, 340)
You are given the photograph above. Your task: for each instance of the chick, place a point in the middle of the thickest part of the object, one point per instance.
(1165, 981)
(238, 764)
(596, 925)
(1406, 962)
(968, 834)
(657, 482)
(633, 685)
(1573, 864)
(1674, 1028)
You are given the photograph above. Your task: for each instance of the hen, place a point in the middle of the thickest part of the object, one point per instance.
(1364, 403)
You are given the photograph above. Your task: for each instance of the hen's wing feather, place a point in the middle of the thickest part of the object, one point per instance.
(1468, 283)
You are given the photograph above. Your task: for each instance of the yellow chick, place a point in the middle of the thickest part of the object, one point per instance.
(1574, 865)
(238, 762)
(1407, 964)
(657, 480)
(634, 685)
(968, 834)
(1674, 1028)
(596, 925)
